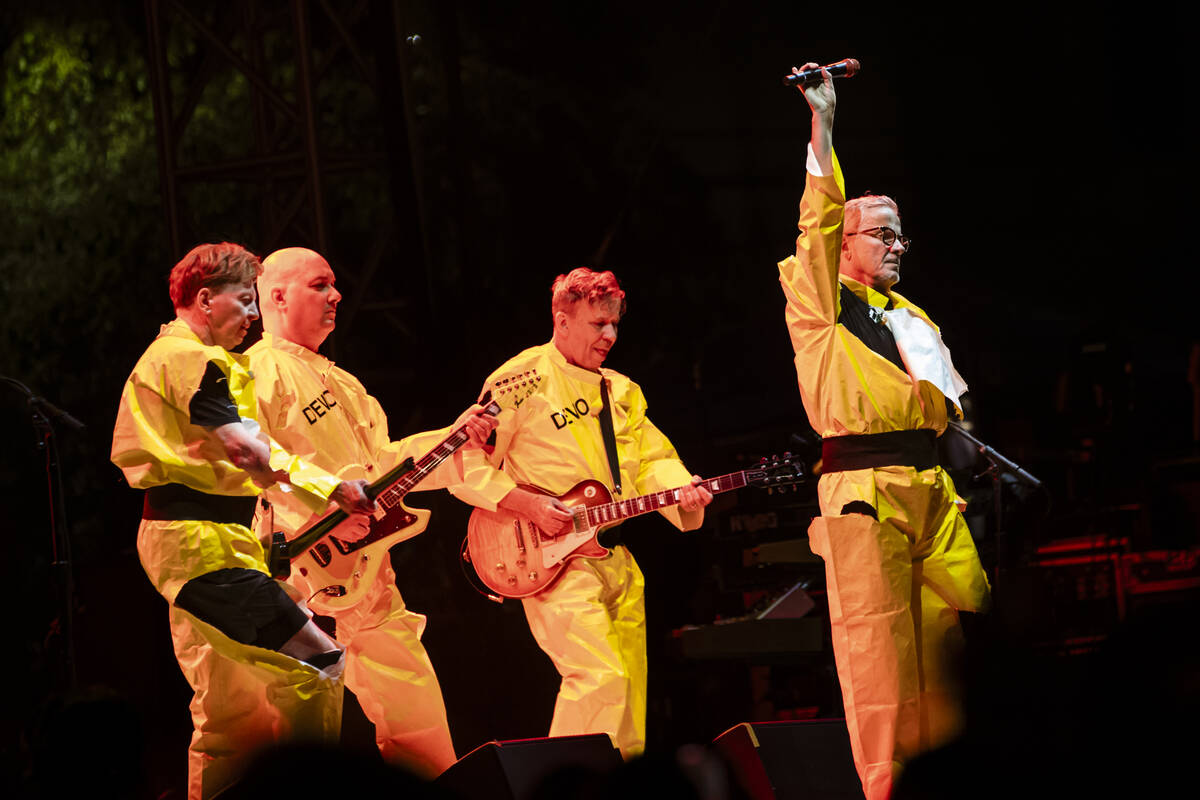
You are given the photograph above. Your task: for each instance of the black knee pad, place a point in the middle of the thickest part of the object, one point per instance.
(323, 660)
(860, 507)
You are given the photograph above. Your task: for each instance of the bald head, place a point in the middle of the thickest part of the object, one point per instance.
(297, 296)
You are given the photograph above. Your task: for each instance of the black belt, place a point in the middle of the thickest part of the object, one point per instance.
(174, 501)
(917, 449)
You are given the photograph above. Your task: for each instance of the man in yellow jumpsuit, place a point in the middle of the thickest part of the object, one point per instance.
(185, 432)
(878, 385)
(591, 621)
(323, 414)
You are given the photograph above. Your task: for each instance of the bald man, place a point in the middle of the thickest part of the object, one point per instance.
(323, 413)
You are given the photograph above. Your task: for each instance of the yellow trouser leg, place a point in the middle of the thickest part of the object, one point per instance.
(895, 588)
(246, 698)
(591, 624)
(868, 577)
(950, 579)
(390, 673)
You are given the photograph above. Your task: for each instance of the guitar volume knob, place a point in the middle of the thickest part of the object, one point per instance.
(512, 580)
(533, 575)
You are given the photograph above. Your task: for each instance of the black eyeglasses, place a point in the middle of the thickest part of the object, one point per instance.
(885, 235)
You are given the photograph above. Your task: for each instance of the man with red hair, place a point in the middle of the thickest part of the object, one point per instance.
(878, 385)
(591, 621)
(185, 432)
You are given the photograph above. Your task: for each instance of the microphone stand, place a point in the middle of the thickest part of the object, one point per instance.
(998, 467)
(42, 413)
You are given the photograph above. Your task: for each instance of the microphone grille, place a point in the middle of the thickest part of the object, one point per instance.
(852, 66)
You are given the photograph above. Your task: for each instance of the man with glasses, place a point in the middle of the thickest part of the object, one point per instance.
(879, 385)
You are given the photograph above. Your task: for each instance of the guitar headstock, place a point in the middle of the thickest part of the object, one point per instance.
(777, 472)
(513, 390)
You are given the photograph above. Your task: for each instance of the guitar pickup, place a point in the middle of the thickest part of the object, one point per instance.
(321, 554)
(519, 535)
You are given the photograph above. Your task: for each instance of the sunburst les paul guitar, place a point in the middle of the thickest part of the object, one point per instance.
(341, 571)
(515, 558)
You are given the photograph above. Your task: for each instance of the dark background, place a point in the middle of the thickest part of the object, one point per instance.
(1039, 156)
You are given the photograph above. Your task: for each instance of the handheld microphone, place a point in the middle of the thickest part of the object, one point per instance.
(842, 69)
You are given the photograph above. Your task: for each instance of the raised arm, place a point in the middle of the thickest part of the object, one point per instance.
(822, 100)
(810, 278)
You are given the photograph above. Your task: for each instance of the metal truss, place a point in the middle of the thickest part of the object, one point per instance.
(284, 50)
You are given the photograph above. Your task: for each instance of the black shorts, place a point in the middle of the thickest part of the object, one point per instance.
(245, 605)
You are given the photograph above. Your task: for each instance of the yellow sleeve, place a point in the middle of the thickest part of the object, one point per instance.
(316, 483)
(146, 435)
(659, 466)
(154, 441)
(810, 278)
(482, 483)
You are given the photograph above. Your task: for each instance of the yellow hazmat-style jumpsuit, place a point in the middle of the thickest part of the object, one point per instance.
(245, 696)
(591, 621)
(323, 414)
(898, 574)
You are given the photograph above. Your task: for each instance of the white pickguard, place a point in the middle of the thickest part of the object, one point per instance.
(555, 550)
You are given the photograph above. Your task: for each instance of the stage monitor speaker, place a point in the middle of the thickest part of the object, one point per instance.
(514, 770)
(807, 760)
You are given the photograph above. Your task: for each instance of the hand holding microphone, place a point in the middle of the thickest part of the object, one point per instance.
(811, 75)
(819, 92)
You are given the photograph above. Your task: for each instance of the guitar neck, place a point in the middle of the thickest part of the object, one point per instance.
(392, 486)
(390, 495)
(606, 513)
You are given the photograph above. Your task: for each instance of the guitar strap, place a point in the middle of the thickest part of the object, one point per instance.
(610, 438)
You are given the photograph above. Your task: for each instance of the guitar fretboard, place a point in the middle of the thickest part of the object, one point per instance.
(606, 513)
(391, 496)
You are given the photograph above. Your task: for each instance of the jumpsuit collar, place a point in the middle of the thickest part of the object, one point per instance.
(316, 361)
(578, 373)
(867, 294)
(885, 300)
(182, 330)
(178, 327)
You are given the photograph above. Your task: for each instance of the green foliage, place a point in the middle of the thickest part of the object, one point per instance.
(79, 200)
(82, 256)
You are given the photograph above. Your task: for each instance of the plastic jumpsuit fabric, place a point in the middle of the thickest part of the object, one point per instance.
(245, 697)
(324, 414)
(591, 621)
(896, 583)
